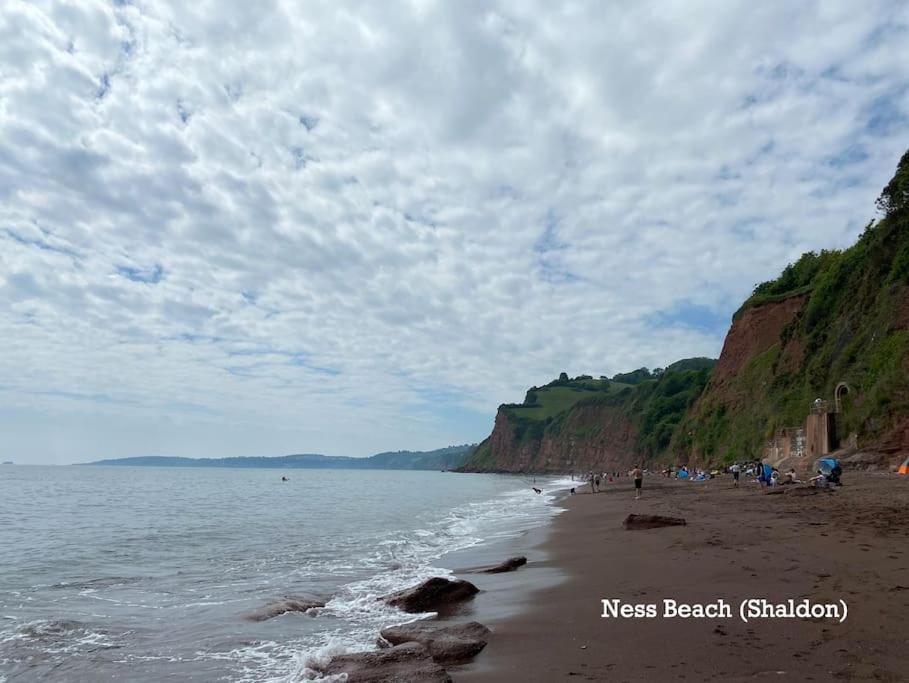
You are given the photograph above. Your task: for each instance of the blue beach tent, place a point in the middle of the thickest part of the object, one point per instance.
(826, 465)
(830, 468)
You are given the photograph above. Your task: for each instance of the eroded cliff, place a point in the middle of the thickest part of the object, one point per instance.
(834, 326)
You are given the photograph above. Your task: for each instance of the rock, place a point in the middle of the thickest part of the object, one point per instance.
(408, 663)
(634, 522)
(289, 603)
(433, 595)
(446, 644)
(509, 565)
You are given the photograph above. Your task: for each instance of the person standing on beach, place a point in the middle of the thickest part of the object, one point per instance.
(638, 475)
(735, 475)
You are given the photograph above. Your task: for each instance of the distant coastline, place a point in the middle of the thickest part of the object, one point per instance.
(442, 458)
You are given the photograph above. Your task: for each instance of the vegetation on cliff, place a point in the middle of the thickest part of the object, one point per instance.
(831, 318)
(850, 325)
(651, 403)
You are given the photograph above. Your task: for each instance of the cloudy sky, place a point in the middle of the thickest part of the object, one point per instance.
(257, 228)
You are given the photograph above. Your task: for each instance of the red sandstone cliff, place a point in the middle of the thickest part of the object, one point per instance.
(590, 438)
(753, 332)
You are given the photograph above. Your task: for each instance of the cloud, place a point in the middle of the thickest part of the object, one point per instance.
(266, 228)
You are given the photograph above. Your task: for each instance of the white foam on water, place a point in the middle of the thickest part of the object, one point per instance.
(62, 637)
(407, 557)
(351, 620)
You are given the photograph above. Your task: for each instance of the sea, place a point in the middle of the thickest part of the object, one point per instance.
(149, 574)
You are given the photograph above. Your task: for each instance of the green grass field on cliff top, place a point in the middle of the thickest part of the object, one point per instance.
(553, 400)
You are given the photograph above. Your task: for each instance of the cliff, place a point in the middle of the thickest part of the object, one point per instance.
(834, 326)
(584, 424)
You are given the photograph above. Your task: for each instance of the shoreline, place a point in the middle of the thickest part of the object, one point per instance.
(847, 545)
(504, 595)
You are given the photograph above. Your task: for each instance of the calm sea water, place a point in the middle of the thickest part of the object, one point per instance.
(145, 574)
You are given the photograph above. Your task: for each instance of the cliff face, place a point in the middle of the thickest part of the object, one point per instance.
(834, 319)
(583, 424)
(590, 438)
(834, 326)
(751, 334)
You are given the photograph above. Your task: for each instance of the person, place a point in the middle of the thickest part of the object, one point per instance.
(820, 481)
(284, 479)
(735, 475)
(791, 477)
(764, 472)
(596, 482)
(638, 475)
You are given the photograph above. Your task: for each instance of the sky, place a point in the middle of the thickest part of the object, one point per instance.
(235, 228)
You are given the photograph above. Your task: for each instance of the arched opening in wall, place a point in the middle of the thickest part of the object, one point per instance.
(840, 399)
(842, 390)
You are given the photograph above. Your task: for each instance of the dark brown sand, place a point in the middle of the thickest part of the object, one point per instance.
(738, 544)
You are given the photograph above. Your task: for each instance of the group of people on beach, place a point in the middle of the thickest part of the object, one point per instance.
(767, 476)
(598, 479)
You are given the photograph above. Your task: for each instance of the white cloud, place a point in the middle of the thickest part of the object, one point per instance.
(232, 228)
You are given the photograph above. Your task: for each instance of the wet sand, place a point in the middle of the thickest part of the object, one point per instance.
(738, 544)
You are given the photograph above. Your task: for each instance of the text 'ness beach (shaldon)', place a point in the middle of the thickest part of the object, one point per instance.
(438, 342)
(753, 608)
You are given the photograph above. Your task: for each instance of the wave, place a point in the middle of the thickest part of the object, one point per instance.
(407, 558)
(56, 637)
(353, 567)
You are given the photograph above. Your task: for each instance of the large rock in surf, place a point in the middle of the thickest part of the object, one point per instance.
(634, 522)
(446, 644)
(433, 595)
(289, 603)
(509, 565)
(408, 663)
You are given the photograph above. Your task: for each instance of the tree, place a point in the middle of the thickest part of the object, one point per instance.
(563, 376)
(895, 196)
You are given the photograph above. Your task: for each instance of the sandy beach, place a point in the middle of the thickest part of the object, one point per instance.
(738, 544)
